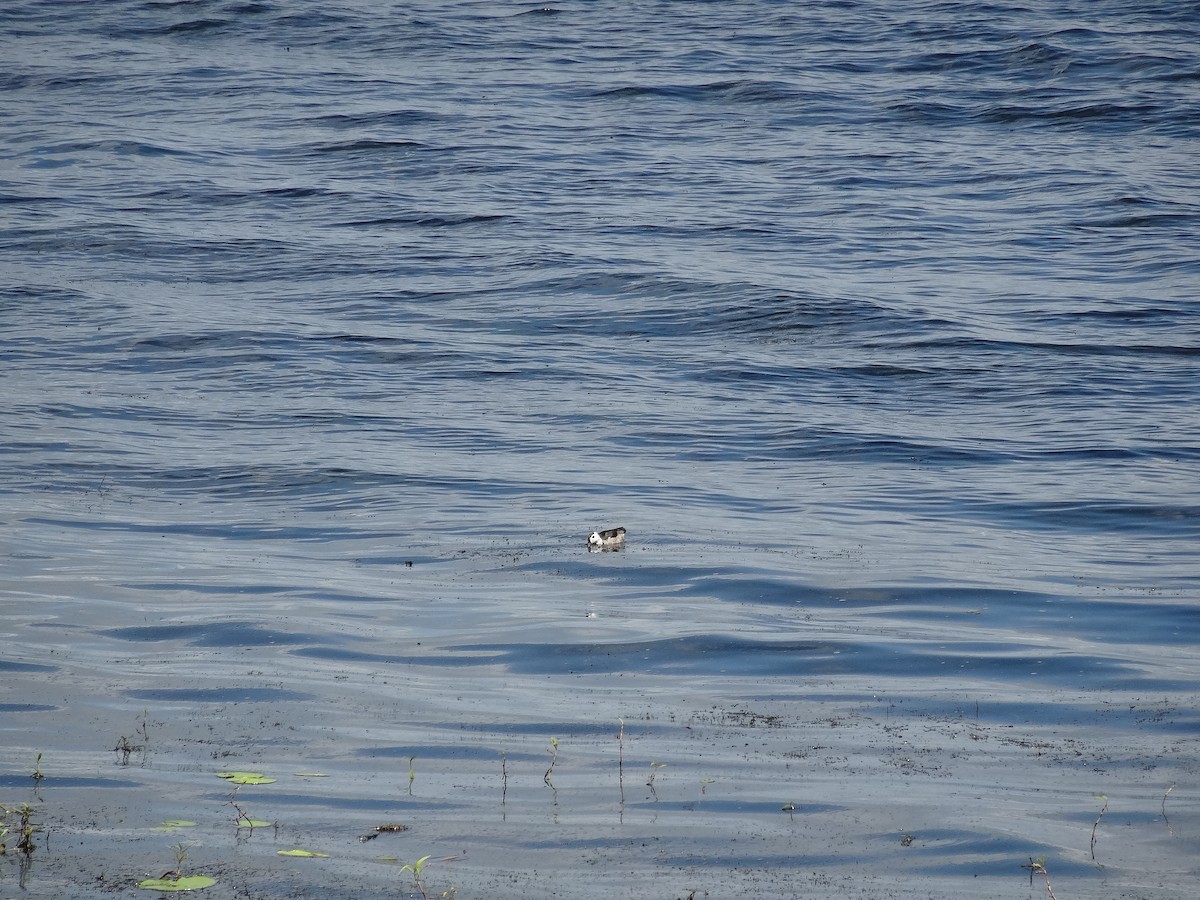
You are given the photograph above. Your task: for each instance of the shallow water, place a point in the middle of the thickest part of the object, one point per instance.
(878, 331)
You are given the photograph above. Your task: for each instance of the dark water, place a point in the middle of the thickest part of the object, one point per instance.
(877, 326)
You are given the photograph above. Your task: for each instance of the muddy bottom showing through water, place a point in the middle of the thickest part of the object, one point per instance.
(591, 727)
(586, 785)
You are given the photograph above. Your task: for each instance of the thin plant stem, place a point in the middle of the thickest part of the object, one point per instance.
(503, 776)
(1038, 867)
(1096, 825)
(621, 759)
(549, 776)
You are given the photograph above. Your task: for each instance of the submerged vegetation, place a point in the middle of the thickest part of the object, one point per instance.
(18, 828)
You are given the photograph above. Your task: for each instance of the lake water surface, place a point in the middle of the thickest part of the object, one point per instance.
(329, 332)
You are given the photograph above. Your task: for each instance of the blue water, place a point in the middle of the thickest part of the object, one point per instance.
(877, 325)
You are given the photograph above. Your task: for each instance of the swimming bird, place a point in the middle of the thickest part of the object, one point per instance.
(610, 539)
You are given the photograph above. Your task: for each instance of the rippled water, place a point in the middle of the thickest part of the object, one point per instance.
(330, 332)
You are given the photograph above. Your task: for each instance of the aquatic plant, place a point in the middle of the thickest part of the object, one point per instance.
(621, 759)
(548, 778)
(412, 774)
(503, 776)
(246, 777)
(1170, 830)
(124, 748)
(26, 828)
(143, 730)
(174, 880)
(242, 820)
(417, 868)
(174, 825)
(1096, 824)
(1038, 867)
(182, 883)
(37, 769)
(655, 767)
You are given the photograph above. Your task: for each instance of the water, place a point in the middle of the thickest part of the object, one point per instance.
(876, 326)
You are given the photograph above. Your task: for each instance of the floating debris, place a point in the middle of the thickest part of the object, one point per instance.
(382, 829)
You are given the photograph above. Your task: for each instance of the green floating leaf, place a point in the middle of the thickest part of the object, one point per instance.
(252, 823)
(310, 774)
(186, 883)
(246, 777)
(317, 854)
(174, 825)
